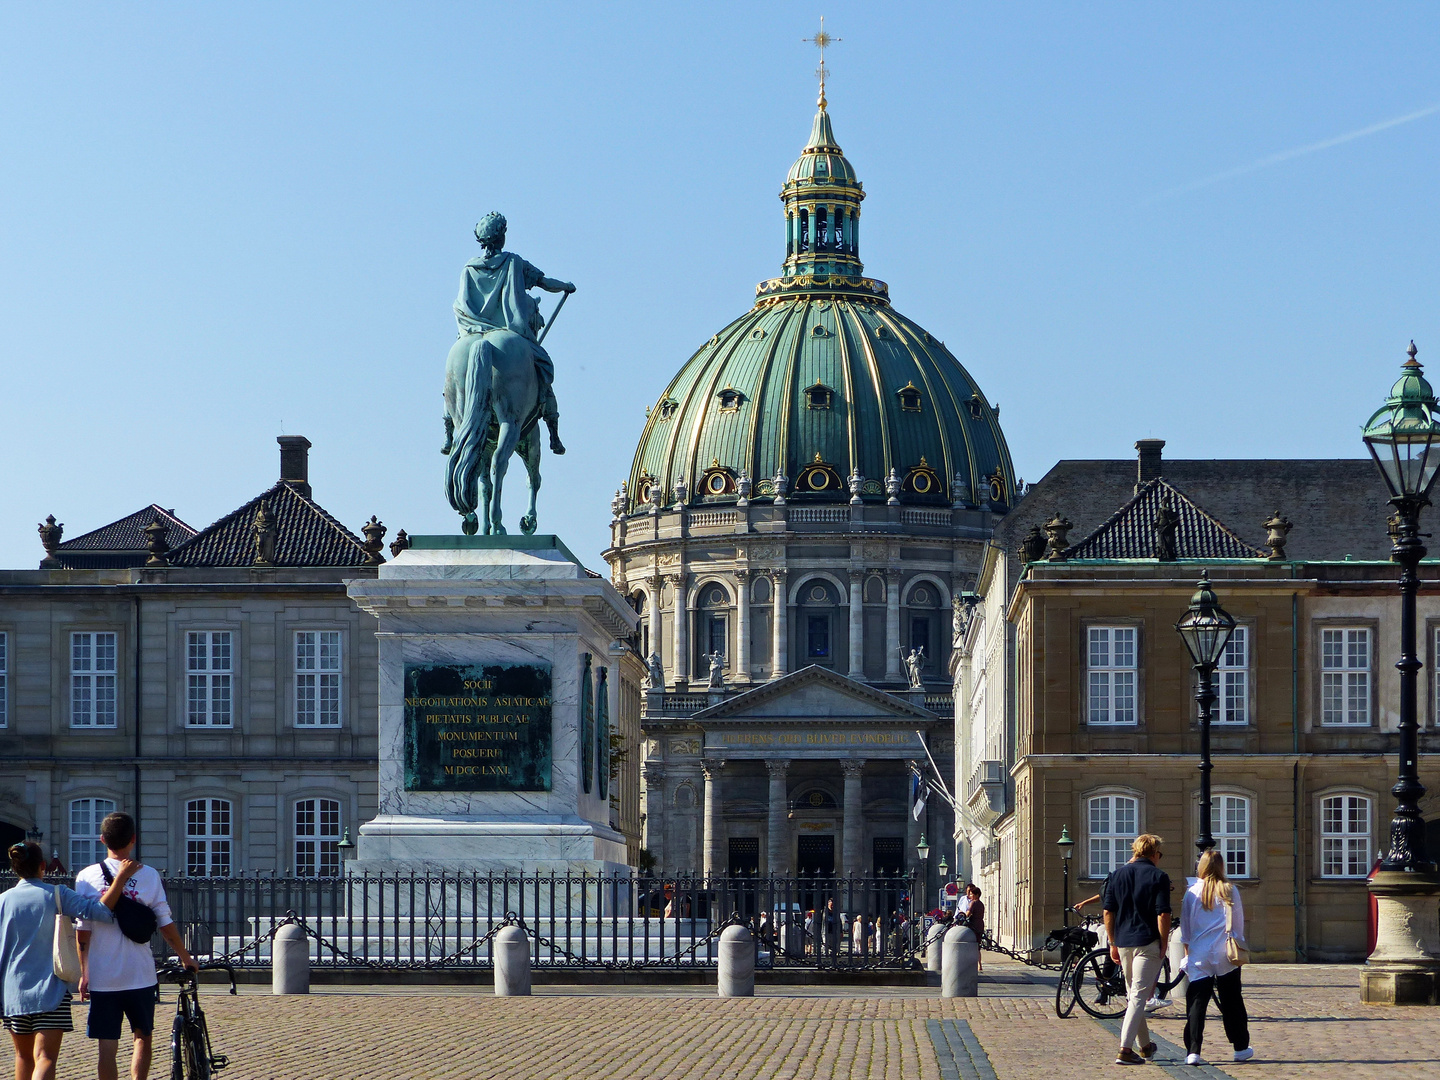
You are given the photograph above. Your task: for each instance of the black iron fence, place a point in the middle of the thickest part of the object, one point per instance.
(446, 920)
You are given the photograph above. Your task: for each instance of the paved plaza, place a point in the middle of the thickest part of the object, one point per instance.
(1305, 1022)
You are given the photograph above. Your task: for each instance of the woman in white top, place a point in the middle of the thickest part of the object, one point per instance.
(1203, 933)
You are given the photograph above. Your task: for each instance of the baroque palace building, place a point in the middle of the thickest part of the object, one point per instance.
(811, 492)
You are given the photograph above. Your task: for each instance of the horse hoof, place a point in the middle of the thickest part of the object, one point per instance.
(498, 530)
(527, 524)
(469, 524)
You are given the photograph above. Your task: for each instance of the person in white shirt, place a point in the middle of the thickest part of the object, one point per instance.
(1203, 933)
(118, 974)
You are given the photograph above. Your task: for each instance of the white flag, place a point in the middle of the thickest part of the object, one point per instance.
(919, 789)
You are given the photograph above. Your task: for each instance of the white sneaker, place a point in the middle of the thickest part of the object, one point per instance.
(1244, 1055)
(1193, 1059)
(1157, 1003)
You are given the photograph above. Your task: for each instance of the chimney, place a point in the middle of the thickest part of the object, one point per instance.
(295, 461)
(1149, 460)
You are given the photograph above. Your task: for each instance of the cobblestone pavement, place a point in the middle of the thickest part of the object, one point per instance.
(1305, 1022)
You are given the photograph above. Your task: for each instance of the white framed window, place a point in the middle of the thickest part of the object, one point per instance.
(1111, 664)
(1230, 828)
(92, 679)
(86, 847)
(317, 678)
(207, 837)
(209, 674)
(317, 838)
(1233, 678)
(1114, 824)
(4, 680)
(1345, 676)
(1345, 836)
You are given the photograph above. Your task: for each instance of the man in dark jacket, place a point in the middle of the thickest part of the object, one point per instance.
(1137, 920)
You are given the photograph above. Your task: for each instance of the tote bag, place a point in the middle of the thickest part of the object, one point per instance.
(66, 953)
(1236, 951)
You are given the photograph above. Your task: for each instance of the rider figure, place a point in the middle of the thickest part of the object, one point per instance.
(493, 296)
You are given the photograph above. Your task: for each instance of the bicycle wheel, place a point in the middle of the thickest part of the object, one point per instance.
(177, 1049)
(1065, 988)
(1100, 986)
(197, 1054)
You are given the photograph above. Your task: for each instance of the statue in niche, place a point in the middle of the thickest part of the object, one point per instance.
(654, 673)
(498, 381)
(717, 669)
(914, 666)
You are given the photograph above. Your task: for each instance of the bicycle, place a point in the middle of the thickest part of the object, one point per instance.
(1099, 983)
(191, 1057)
(1074, 943)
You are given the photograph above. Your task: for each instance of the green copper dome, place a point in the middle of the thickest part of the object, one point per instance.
(822, 390)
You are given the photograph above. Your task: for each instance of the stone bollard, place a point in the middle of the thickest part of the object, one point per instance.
(512, 962)
(290, 960)
(737, 963)
(960, 970)
(932, 953)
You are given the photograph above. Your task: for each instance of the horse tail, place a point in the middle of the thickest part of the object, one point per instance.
(471, 429)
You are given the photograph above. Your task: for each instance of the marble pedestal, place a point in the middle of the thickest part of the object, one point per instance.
(461, 602)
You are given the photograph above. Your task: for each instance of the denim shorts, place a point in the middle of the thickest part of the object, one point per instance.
(108, 1006)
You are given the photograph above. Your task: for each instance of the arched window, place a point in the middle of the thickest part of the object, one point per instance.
(1114, 821)
(207, 838)
(711, 627)
(923, 623)
(818, 603)
(86, 847)
(317, 838)
(1230, 826)
(1345, 836)
(804, 244)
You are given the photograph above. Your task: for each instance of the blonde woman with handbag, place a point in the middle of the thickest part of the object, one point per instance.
(38, 956)
(1212, 929)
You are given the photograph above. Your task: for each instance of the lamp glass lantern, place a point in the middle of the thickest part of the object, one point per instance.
(1403, 436)
(1065, 844)
(1206, 626)
(922, 849)
(34, 835)
(944, 869)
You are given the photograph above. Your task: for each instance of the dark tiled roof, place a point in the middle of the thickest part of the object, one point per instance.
(1337, 505)
(121, 543)
(1130, 532)
(305, 535)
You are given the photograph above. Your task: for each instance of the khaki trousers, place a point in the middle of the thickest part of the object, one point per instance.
(1142, 968)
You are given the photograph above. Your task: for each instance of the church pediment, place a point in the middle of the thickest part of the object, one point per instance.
(812, 695)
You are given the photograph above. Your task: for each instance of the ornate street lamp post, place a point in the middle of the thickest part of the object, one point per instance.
(1205, 628)
(1067, 852)
(1404, 439)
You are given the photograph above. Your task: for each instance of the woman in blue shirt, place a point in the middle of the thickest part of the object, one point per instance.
(35, 1003)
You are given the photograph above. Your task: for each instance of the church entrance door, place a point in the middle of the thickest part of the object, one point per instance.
(816, 856)
(10, 834)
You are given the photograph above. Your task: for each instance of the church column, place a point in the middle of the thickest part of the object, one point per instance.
(780, 636)
(913, 828)
(655, 812)
(892, 623)
(857, 625)
(655, 594)
(740, 669)
(682, 638)
(715, 861)
(852, 832)
(778, 844)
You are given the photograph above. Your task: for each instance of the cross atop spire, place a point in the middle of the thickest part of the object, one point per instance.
(822, 41)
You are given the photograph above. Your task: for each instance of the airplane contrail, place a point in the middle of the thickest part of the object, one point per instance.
(1299, 151)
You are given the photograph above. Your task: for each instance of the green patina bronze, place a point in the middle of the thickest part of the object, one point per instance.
(481, 727)
(498, 381)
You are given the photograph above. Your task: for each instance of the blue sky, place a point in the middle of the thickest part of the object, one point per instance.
(218, 224)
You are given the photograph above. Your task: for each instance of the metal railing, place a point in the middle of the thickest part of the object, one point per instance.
(615, 921)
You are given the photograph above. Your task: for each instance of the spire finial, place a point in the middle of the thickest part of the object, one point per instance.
(822, 41)
(1412, 352)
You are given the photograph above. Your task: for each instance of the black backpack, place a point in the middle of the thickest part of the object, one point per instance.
(136, 920)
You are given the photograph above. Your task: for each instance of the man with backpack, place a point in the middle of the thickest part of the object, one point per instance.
(117, 966)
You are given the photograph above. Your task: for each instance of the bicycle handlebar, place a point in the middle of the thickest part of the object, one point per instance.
(170, 971)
